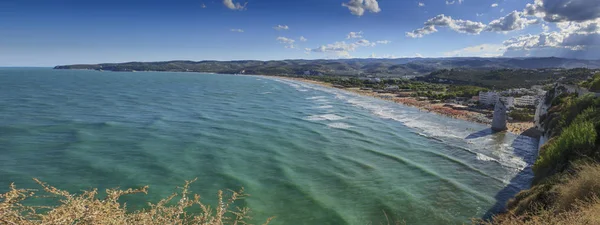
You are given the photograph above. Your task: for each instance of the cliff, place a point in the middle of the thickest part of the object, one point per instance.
(566, 186)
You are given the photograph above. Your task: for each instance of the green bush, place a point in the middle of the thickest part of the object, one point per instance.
(595, 85)
(578, 139)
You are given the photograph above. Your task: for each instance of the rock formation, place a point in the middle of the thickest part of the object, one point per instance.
(499, 121)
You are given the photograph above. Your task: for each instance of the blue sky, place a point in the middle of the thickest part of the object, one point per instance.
(48, 33)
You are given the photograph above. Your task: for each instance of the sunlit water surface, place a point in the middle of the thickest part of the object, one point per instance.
(306, 154)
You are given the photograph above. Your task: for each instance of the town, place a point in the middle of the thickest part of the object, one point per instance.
(470, 101)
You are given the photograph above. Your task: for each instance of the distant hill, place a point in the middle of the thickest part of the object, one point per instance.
(343, 67)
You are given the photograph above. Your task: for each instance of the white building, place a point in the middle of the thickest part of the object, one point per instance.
(488, 98)
(525, 101)
(509, 102)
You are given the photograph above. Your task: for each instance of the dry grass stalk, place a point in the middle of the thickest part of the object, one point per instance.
(87, 208)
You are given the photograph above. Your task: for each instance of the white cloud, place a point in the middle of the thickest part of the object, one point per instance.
(307, 51)
(237, 30)
(494, 5)
(545, 27)
(484, 50)
(358, 7)
(302, 38)
(234, 6)
(365, 43)
(353, 35)
(289, 43)
(342, 48)
(561, 10)
(281, 27)
(453, 1)
(461, 26)
(387, 56)
(421, 4)
(383, 42)
(572, 40)
(513, 21)
(418, 33)
(203, 6)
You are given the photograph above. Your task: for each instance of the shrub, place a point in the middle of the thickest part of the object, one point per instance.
(578, 138)
(595, 85)
(86, 208)
(580, 187)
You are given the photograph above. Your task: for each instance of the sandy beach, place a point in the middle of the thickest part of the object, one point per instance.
(439, 108)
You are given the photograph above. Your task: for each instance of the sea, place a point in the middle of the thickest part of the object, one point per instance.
(304, 153)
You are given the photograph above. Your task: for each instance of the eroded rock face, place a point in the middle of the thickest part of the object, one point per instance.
(499, 121)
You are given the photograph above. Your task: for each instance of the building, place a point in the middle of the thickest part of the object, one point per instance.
(488, 98)
(508, 101)
(525, 101)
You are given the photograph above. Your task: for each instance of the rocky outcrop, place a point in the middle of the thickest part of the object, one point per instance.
(499, 121)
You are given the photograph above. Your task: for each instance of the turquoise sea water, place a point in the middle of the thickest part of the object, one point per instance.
(306, 154)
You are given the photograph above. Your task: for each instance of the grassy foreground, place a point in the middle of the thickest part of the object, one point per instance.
(87, 208)
(566, 187)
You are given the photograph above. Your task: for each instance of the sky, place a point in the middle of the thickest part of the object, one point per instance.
(59, 32)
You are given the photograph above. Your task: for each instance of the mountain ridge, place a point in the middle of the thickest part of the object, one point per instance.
(342, 67)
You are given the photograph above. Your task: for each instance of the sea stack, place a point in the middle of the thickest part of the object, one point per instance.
(499, 121)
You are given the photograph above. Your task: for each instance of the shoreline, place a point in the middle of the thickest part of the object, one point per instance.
(518, 128)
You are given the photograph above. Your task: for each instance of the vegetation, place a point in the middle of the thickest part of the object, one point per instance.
(506, 78)
(420, 89)
(574, 199)
(87, 208)
(566, 186)
(522, 114)
(593, 84)
(345, 67)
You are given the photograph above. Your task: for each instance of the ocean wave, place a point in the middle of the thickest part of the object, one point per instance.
(483, 157)
(330, 117)
(340, 125)
(316, 97)
(324, 107)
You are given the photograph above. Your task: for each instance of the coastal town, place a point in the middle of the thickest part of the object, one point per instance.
(470, 103)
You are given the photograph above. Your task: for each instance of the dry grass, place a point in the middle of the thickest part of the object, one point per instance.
(87, 208)
(580, 187)
(576, 201)
(581, 213)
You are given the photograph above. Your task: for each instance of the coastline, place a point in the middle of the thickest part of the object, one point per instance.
(519, 128)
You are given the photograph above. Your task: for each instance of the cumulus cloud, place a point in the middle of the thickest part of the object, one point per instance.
(234, 6)
(281, 27)
(384, 42)
(513, 21)
(418, 33)
(573, 39)
(561, 10)
(461, 26)
(545, 27)
(358, 7)
(289, 43)
(453, 1)
(421, 4)
(484, 50)
(237, 30)
(302, 38)
(342, 48)
(494, 5)
(353, 35)
(365, 43)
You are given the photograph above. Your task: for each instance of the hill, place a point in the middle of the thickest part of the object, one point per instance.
(343, 67)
